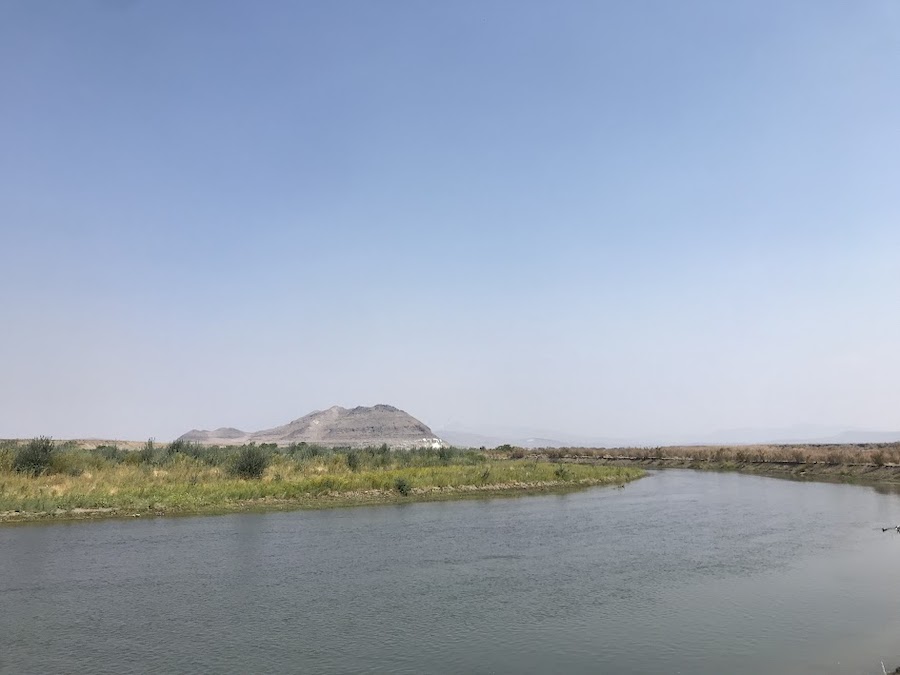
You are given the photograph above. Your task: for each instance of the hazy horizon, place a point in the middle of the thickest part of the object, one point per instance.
(612, 220)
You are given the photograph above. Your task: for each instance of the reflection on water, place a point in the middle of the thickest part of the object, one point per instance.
(680, 572)
(887, 489)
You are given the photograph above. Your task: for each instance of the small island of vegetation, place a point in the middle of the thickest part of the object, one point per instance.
(43, 479)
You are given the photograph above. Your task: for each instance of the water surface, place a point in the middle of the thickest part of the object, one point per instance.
(681, 572)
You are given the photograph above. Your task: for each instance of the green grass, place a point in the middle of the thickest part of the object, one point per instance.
(192, 478)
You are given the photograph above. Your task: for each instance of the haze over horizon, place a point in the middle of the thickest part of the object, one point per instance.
(610, 219)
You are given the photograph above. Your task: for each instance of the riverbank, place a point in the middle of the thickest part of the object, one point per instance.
(864, 473)
(79, 484)
(863, 463)
(320, 501)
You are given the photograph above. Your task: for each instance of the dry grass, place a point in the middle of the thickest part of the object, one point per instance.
(865, 454)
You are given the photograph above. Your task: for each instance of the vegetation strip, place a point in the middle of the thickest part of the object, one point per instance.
(865, 462)
(42, 479)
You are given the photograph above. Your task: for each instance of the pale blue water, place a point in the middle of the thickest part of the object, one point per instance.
(681, 572)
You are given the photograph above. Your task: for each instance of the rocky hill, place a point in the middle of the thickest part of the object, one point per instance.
(337, 426)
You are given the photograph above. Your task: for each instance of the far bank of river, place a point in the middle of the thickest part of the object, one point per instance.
(819, 471)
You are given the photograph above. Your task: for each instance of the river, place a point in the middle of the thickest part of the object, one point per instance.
(680, 572)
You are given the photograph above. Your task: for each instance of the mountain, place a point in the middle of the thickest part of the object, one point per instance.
(464, 439)
(337, 426)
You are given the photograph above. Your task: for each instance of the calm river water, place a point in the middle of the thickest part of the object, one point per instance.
(681, 572)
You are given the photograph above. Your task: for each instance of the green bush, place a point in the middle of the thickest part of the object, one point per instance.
(178, 445)
(72, 463)
(212, 455)
(110, 453)
(131, 458)
(147, 452)
(7, 453)
(35, 457)
(209, 455)
(301, 451)
(250, 462)
(402, 486)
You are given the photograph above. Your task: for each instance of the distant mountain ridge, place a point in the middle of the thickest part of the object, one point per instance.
(544, 438)
(336, 427)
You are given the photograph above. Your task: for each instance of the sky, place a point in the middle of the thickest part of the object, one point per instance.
(622, 219)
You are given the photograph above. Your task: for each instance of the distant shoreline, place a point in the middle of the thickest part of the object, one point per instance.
(848, 473)
(871, 463)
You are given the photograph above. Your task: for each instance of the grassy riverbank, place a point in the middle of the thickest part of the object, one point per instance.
(75, 482)
(865, 463)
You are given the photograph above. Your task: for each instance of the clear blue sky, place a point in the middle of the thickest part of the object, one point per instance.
(619, 219)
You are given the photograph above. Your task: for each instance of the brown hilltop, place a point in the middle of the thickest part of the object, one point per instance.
(337, 426)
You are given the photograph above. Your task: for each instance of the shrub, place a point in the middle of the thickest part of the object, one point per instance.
(250, 462)
(561, 472)
(175, 446)
(835, 457)
(353, 460)
(379, 456)
(34, 458)
(301, 451)
(7, 452)
(209, 455)
(146, 453)
(212, 455)
(109, 452)
(402, 486)
(73, 463)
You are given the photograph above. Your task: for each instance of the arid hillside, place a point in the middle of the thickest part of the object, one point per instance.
(337, 426)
